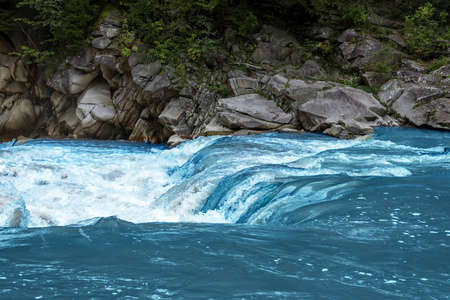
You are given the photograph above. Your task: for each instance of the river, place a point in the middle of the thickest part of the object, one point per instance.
(270, 216)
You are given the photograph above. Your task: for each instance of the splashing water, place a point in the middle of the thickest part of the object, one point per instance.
(336, 219)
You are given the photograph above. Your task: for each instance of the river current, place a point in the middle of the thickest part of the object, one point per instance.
(271, 216)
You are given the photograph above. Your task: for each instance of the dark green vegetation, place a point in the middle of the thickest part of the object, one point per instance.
(193, 29)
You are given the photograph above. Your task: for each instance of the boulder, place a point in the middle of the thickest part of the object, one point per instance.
(215, 128)
(421, 105)
(442, 71)
(321, 34)
(83, 60)
(341, 105)
(101, 43)
(311, 69)
(71, 81)
(296, 90)
(368, 54)
(142, 73)
(109, 30)
(243, 85)
(270, 53)
(411, 65)
(95, 105)
(375, 79)
(19, 120)
(348, 36)
(172, 113)
(418, 78)
(256, 106)
(279, 37)
(175, 140)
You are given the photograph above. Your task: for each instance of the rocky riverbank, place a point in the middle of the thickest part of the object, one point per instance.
(275, 86)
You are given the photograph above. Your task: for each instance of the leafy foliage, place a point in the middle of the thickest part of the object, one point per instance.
(427, 31)
(66, 23)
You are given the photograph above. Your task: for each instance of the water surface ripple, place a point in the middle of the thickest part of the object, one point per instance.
(273, 216)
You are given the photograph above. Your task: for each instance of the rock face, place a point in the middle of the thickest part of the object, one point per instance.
(101, 94)
(420, 104)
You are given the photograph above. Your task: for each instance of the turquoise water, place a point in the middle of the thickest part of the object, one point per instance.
(274, 216)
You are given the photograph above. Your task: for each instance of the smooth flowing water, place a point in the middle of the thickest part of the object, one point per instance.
(273, 216)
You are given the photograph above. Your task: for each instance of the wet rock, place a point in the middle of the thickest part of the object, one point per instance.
(175, 140)
(215, 127)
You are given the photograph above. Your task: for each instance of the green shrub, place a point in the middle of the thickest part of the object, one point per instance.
(427, 31)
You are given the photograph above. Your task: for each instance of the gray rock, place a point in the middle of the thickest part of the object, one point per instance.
(5, 78)
(243, 85)
(280, 37)
(236, 121)
(19, 72)
(379, 20)
(311, 69)
(83, 60)
(215, 128)
(270, 53)
(418, 78)
(348, 36)
(71, 81)
(423, 106)
(107, 60)
(236, 73)
(391, 90)
(96, 105)
(136, 58)
(340, 105)
(159, 89)
(321, 34)
(375, 79)
(301, 91)
(411, 65)
(142, 73)
(369, 53)
(257, 107)
(172, 113)
(109, 30)
(398, 40)
(101, 43)
(175, 140)
(442, 71)
(19, 120)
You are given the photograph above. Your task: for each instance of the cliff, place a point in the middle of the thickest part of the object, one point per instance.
(342, 82)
